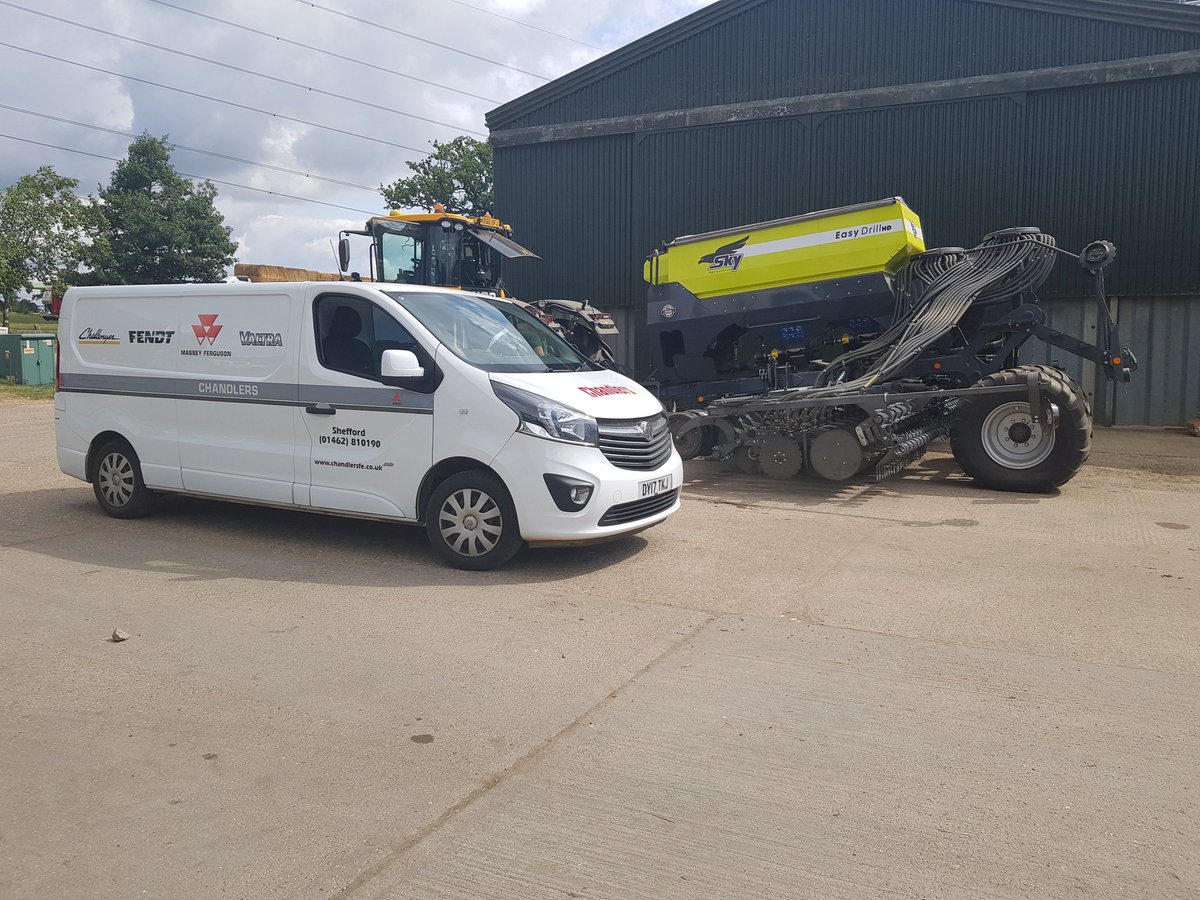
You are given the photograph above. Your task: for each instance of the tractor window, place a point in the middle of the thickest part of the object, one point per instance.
(402, 255)
(480, 266)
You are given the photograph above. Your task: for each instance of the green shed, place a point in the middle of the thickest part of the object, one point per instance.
(27, 358)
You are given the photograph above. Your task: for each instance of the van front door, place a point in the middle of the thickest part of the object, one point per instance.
(369, 444)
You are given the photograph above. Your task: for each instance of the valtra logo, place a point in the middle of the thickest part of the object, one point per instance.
(207, 330)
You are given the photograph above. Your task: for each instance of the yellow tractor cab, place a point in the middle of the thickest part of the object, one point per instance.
(437, 248)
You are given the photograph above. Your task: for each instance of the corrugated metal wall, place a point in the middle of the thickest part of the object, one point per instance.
(792, 48)
(1118, 161)
(1165, 335)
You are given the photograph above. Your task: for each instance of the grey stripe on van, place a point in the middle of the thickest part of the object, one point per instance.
(381, 398)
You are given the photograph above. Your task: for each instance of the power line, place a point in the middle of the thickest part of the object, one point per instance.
(459, 50)
(371, 65)
(232, 184)
(234, 68)
(254, 109)
(249, 162)
(497, 15)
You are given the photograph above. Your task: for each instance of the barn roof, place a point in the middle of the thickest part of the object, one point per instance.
(1154, 15)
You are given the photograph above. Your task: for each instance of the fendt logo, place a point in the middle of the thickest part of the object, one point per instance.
(207, 330)
(727, 257)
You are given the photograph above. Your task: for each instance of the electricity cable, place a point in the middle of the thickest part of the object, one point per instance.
(232, 184)
(381, 26)
(488, 12)
(371, 64)
(168, 87)
(238, 159)
(231, 67)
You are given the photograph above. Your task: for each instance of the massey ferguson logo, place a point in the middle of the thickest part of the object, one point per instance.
(207, 330)
(605, 390)
(727, 257)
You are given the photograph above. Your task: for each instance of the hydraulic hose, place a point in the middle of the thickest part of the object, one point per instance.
(938, 288)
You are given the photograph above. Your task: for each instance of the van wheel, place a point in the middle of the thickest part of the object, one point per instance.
(117, 482)
(472, 523)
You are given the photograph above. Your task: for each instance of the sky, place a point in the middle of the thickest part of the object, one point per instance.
(342, 121)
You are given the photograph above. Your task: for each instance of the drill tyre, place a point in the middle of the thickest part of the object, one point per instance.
(698, 441)
(982, 434)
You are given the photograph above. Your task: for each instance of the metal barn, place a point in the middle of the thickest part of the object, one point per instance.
(1079, 116)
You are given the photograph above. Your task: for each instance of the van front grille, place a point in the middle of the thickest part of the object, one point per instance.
(642, 444)
(623, 513)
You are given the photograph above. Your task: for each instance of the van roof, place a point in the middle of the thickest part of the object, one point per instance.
(209, 289)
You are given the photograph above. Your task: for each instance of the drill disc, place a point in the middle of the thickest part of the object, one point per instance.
(780, 457)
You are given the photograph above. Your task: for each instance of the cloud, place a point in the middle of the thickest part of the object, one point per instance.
(363, 123)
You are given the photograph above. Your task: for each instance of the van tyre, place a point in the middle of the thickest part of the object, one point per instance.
(117, 482)
(996, 441)
(472, 523)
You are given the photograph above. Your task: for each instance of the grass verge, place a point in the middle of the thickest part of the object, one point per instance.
(26, 391)
(20, 323)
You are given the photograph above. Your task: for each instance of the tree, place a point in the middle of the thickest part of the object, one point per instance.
(163, 228)
(458, 175)
(46, 229)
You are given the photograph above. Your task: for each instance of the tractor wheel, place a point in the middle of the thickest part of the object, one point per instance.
(997, 442)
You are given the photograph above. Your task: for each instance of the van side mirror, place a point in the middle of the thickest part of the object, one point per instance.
(344, 253)
(399, 366)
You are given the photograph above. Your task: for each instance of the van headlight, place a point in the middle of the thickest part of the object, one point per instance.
(545, 418)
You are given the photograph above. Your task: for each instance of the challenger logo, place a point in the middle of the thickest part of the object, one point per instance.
(727, 257)
(97, 336)
(207, 330)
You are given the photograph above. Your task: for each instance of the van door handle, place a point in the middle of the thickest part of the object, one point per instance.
(321, 409)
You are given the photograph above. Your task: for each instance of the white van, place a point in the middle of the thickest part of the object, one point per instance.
(412, 404)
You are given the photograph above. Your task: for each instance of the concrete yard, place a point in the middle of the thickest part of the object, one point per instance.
(908, 689)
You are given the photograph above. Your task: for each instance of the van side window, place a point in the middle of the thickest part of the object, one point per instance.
(352, 334)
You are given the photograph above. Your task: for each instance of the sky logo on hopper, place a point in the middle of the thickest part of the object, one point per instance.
(207, 330)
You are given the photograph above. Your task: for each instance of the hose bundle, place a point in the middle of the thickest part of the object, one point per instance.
(940, 287)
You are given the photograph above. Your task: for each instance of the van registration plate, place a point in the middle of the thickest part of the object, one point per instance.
(653, 487)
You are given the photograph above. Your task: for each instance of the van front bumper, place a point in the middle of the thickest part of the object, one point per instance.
(623, 501)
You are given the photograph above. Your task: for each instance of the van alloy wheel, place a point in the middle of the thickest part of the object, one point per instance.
(471, 522)
(115, 478)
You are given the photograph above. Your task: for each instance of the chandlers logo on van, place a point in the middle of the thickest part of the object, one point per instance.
(727, 257)
(151, 337)
(605, 390)
(207, 330)
(227, 389)
(97, 336)
(261, 338)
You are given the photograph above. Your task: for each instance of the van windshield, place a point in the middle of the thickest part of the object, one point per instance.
(494, 335)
